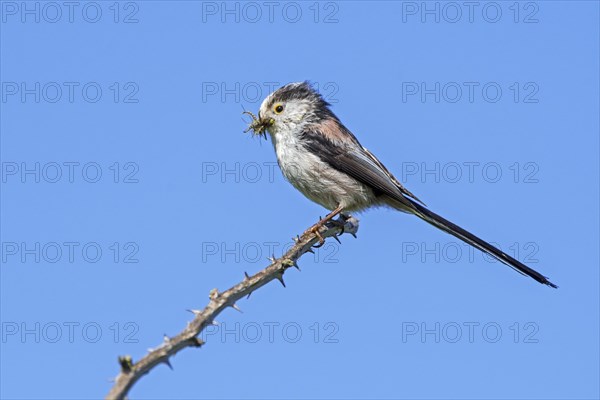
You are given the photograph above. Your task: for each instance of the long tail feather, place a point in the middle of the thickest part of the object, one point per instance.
(455, 230)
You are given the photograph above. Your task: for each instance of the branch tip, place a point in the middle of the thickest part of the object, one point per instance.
(126, 363)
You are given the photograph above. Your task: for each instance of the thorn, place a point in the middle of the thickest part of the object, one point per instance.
(296, 238)
(246, 275)
(310, 250)
(166, 339)
(280, 279)
(213, 294)
(196, 342)
(248, 295)
(337, 238)
(296, 266)
(354, 234)
(195, 312)
(272, 258)
(316, 246)
(235, 307)
(166, 361)
(214, 323)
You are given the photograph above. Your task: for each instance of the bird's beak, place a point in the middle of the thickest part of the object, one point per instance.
(259, 125)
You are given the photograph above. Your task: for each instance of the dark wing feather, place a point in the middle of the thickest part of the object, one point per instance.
(357, 162)
(351, 158)
(396, 182)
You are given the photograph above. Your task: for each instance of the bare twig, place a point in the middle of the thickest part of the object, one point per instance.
(131, 372)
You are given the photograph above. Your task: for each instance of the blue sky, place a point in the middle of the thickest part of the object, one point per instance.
(129, 191)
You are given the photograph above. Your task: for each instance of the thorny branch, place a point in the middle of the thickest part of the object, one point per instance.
(131, 372)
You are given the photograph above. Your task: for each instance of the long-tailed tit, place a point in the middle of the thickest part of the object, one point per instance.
(325, 161)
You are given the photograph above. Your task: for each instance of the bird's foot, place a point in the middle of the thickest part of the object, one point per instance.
(315, 231)
(327, 221)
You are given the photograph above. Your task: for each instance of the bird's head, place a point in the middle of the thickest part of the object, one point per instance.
(289, 107)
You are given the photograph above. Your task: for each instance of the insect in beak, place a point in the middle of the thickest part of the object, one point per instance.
(258, 126)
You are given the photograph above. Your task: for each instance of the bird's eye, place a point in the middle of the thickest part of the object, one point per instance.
(278, 108)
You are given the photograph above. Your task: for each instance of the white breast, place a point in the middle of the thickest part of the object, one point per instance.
(316, 179)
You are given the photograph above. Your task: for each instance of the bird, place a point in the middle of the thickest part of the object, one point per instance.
(325, 161)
